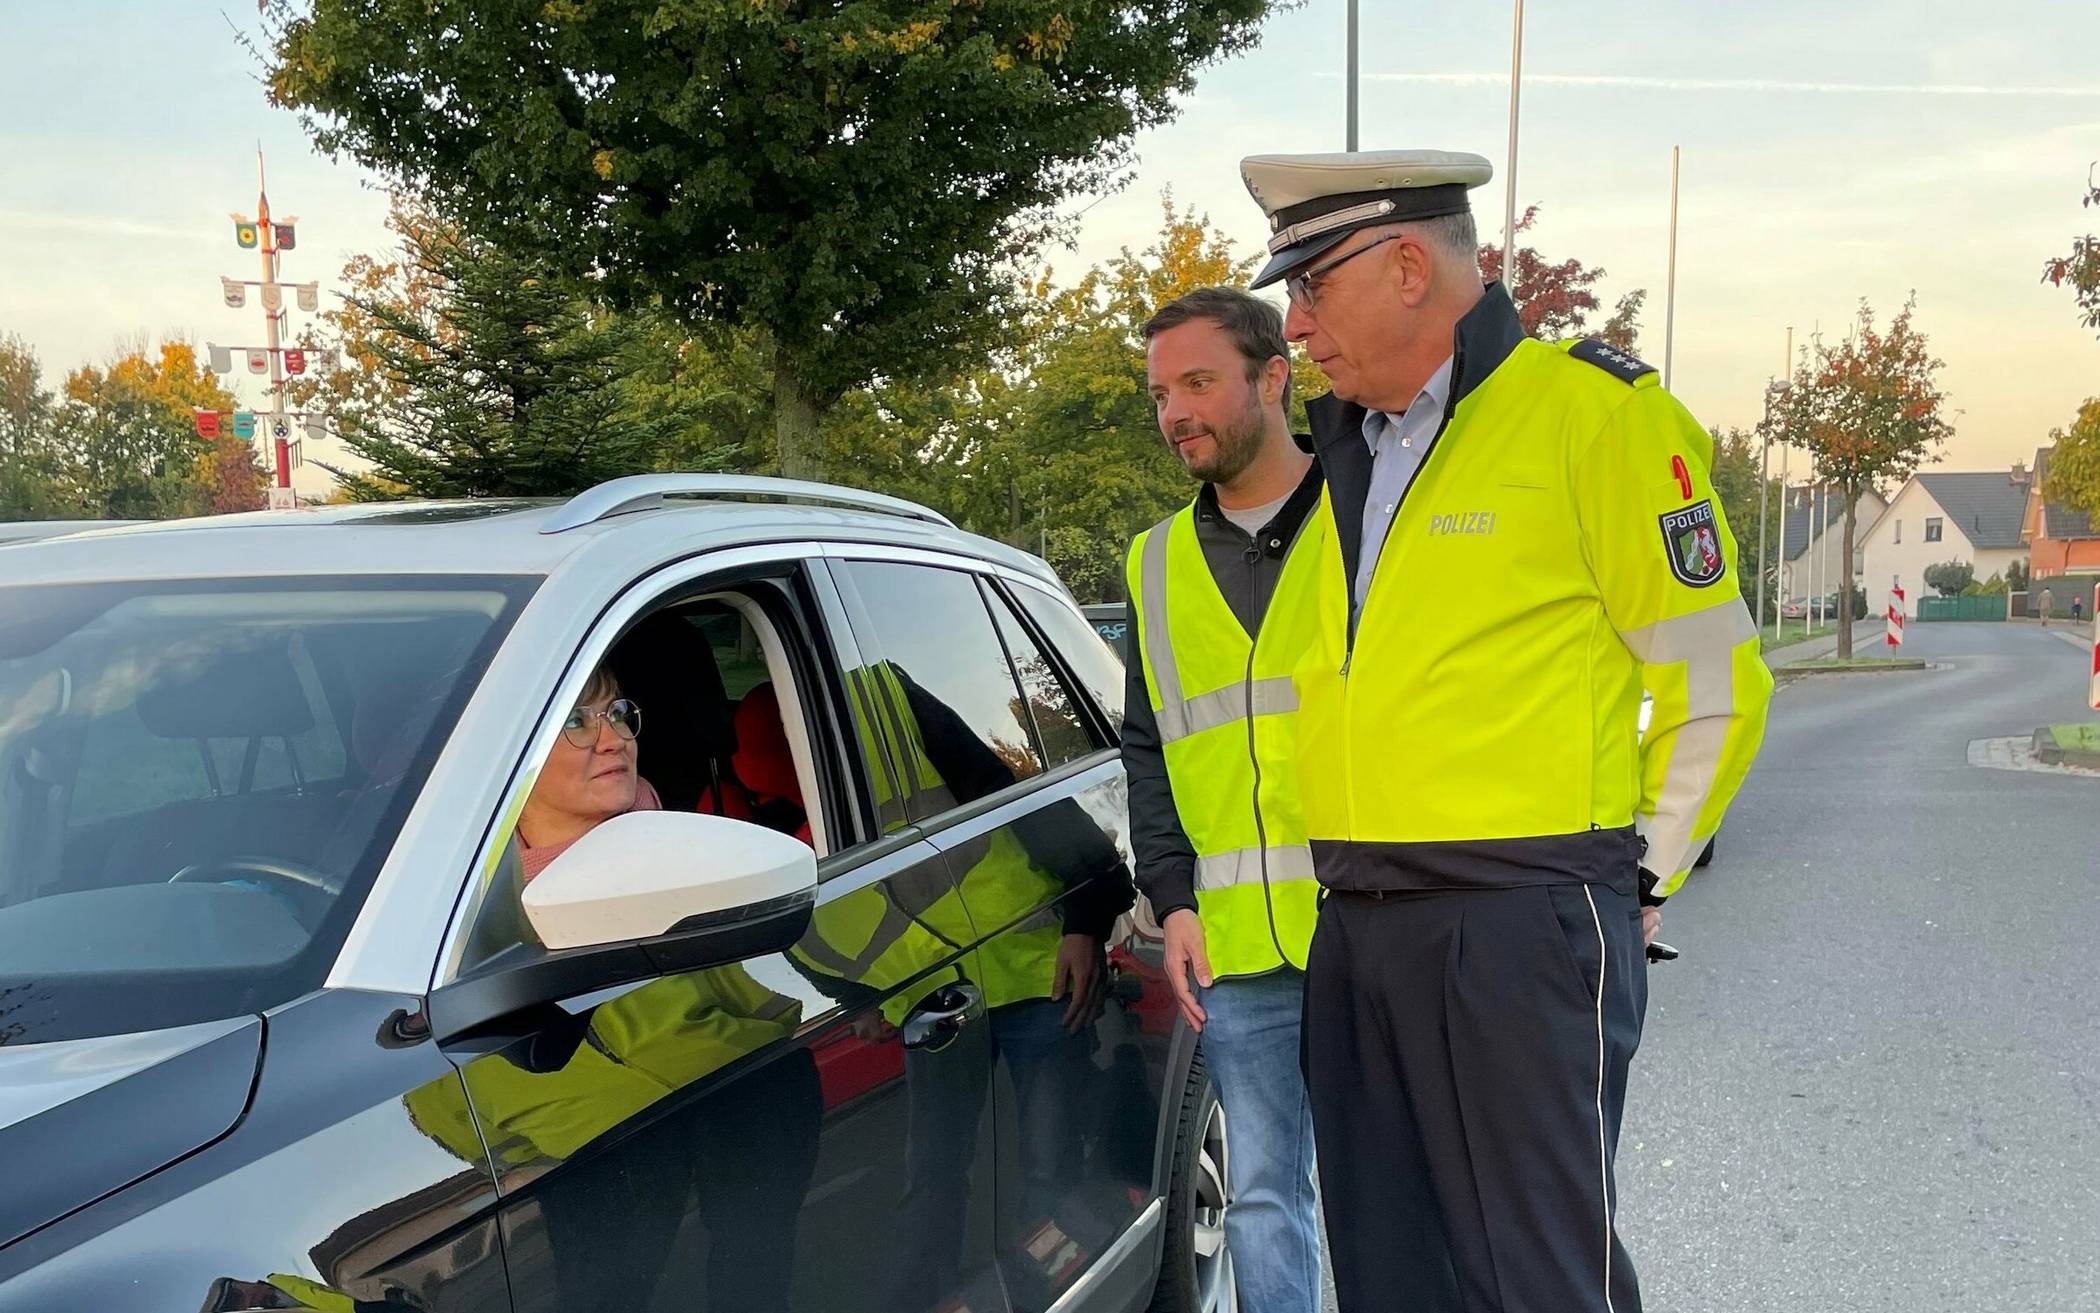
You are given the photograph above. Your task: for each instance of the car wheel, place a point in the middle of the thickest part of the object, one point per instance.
(1195, 1271)
(1706, 858)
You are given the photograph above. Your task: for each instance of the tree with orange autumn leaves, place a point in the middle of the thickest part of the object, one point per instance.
(119, 440)
(1870, 411)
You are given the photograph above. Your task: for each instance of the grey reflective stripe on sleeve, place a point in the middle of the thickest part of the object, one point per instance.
(1244, 866)
(1704, 642)
(1181, 717)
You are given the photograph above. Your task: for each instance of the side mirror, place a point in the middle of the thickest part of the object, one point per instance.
(642, 895)
(658, 873)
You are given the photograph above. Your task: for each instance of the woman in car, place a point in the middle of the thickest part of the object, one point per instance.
(745, 1149)
(589, 777)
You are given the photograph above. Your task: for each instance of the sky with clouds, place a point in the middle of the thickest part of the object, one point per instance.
(1831, 151)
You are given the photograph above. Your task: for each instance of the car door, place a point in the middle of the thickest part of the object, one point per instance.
(1016, 783)
(742, 1137)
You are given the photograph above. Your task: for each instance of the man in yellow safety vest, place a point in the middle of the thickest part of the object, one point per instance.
(1221, 608)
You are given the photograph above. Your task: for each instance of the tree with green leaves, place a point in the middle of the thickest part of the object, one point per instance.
(29, 461)
(473, 375)
(853, 184)
(1950, 578)
(1870, 411)
(2074, 461)
(1738, 464)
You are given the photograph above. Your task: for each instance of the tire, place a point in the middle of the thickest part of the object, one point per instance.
(1195, 1270)
(1707, 858)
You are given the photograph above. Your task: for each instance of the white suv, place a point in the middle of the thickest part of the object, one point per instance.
(843, 1012)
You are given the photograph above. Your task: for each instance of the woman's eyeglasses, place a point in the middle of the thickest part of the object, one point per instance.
(581, 728)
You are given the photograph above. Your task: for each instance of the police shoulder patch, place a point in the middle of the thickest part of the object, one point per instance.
(1622, 365)
(1692, 541)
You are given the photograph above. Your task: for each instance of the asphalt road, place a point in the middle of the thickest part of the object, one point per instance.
(1873, 1080)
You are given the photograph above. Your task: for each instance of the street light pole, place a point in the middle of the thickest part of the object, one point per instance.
(1764, 498)
(1352, 76)
(1509, 203)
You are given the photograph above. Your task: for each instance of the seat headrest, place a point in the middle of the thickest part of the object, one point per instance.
(763, 761)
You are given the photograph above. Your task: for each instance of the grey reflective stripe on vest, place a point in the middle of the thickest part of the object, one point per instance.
(1181, 717)
(1244, 866)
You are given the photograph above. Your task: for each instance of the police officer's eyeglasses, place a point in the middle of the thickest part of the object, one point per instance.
(581, 728)
(1300, 286)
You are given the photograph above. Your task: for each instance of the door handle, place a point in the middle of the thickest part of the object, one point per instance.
(941, 1015)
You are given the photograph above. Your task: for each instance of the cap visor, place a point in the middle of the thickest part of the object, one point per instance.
(1286, 262)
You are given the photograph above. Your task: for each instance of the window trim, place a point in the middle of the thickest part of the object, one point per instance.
(686, 580)
(1077, 687)
(870, 647)
(1935, 528)
(1099, 740)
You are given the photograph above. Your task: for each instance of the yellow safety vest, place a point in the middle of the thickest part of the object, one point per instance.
(1560, 547)
(1226, 710)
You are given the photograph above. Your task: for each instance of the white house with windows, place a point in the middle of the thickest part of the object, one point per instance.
(1944, 516)
(1815, 539)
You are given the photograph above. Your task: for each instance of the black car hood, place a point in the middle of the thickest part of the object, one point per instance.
(80, 1119)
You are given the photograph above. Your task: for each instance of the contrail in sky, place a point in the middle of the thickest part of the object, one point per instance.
(1734, 84)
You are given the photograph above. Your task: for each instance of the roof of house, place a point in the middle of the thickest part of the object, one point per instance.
(1807, 515)
(1988, 506)
(2058, 520)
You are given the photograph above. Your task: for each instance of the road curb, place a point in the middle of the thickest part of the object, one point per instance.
(1890, 668)
(2046, 752)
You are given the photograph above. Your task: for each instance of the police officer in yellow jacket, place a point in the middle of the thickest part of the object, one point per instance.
(1221, 599)
(1523, 537)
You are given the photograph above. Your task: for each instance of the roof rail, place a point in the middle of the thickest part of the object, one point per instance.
(647, 492)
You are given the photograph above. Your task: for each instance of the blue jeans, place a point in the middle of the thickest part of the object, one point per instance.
(1250, 1042)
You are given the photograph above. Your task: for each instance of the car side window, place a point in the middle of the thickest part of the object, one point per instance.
(1059, 724)
(947, 676)
(728, 714)
(1092, 662)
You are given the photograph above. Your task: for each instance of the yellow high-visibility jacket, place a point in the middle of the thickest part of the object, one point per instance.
(1475, 723)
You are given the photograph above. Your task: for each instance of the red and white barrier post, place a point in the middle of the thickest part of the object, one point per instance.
(1895, 636)
(2095, 690)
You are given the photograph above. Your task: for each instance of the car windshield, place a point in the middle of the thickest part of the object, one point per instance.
(199, 779)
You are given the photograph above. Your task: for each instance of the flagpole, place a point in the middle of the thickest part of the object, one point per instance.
(1509, 186)
(1670, 302)
(1350, 138)
(1779, 564)
(281, 456)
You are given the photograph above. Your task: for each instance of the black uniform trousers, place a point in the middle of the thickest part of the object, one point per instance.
(1466, 1056)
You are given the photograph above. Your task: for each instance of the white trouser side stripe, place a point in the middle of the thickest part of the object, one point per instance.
(1603, 1150)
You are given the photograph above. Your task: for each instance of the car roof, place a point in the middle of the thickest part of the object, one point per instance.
(12, 531)
(628, 523)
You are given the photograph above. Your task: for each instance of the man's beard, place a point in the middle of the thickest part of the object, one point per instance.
(1234, 447)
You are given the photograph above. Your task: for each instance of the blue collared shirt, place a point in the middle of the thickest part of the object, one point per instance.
(1397, 444)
